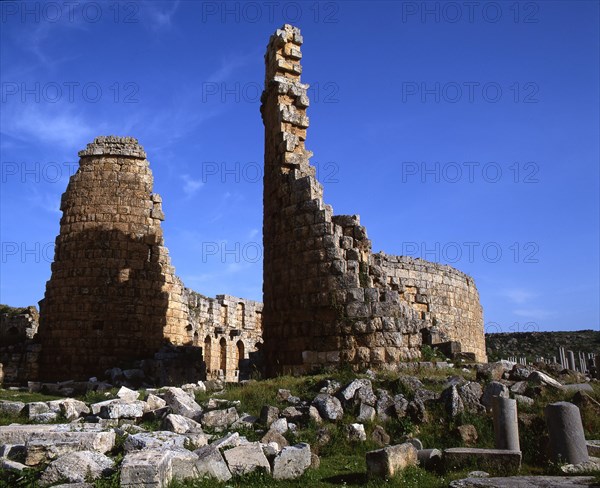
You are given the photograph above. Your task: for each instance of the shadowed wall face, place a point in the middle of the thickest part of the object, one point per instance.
(327, 298)
(113, 296)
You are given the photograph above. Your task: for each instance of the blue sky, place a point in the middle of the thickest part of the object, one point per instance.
(465, 135)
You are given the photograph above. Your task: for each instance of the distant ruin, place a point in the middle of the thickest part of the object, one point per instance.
(328, 300)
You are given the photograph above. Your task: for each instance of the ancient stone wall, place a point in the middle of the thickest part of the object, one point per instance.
(442, 295)
(229, 329)
(18, 324)
(113, 296)
(326, 296)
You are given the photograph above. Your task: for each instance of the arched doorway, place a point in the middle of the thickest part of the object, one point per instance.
(240, 353)
(223, 356)
(207, 354)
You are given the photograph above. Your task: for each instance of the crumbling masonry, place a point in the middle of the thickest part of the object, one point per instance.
(327, 298)
(113, 296)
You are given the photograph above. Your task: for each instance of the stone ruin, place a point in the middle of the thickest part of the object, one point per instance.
(328, 299)
(113, 297)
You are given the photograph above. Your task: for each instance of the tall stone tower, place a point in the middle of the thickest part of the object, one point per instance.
(113, 296)
(327, 298)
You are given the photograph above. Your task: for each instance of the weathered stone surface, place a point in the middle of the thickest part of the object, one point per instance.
(110, 228)
(329, 407)
(380, 436)
(180, 424)
(291, 462)
(127, 395)
(491, 371)
(280, 426)
(593, 447)
(11, 408)
(540, 378)
(183, 464)
(211, 464)
(499, 460)
(356, 433)
(323, 285)
(276, 437)
(77, 467)
(366, 413)
(429, 459)
(390, 460)
(506, 424)
(491, 390)
(578, 387)
(471, 393)
(567, 438)
(182, 403)
(154, 440)
(11, 465)
(119, 409)
(245, 459)
(526, 482)
(268, 415)
(154, 402)
(468, 434)
(149, 468)
(452, 401)
(219, 419)
(46, 446)
(72, 409)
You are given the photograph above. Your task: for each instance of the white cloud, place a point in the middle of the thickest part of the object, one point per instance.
(533, 313)
(519, 295)
(190, 185)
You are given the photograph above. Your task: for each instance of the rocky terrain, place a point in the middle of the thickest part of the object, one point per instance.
(430, 425)
(540, 344)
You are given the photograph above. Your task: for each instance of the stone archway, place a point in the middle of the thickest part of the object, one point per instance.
(241, 353)
(208, 354)
(223, 355)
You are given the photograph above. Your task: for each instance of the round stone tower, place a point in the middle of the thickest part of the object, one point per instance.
(113, 296)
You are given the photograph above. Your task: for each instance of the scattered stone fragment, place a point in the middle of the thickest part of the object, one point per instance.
(154, 440)
(77, 467)
(540, 378)
(499, 460)
(329, 407)
(211, 464)
(390, 460)
(452, 401)
(127, 395)
(154, 402)
(219, 419)
(491, 390)
(147, 468)
(273, 436)
(356, 433)
(180, 424)
(182, 403)
(268, 415)
(380, 436)
(11, 408)
(245, 459)
(429, 459)
(526, 482)
(291, 462)
(72, 409)
(468, 434)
